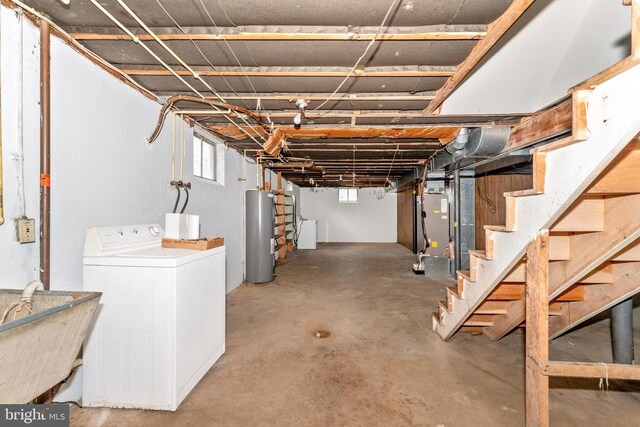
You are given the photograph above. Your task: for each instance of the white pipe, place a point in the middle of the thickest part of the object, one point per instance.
(25, 300)
(173, 147)
(29, 290)
(181, 148)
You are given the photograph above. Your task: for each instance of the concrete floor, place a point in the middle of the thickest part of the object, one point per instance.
(382, 364)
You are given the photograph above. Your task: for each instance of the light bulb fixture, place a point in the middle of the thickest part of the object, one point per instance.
(297, 120)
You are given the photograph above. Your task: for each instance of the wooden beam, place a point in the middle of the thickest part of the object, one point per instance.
(326, 114)
(516, 291)
(444, 134)
(390, 150)
(495, 31)
(591, 370)
(421, 71)
(368, 96)
(298, 33)
(390, 144)
(537, 331)
(274, 143)
(542, 125)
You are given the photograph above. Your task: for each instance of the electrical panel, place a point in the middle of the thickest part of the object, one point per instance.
(26, 230)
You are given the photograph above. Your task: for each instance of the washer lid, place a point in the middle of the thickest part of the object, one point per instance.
(152, 257)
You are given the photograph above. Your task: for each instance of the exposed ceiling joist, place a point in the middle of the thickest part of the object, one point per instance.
(392, 144)
(444, 134)
(293, 33)
(387, 71)
(495, 31)
(330, 114)
(266, 67)
(372, 96)
(408, 161)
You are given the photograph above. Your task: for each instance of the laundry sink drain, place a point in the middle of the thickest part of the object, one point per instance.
(322, 334)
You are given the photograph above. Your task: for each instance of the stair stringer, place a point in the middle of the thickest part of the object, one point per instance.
(612, 121)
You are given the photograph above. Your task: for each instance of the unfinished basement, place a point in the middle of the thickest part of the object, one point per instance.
(319, 213)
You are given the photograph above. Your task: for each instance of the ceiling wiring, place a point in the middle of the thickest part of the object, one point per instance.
(137, 40)
(230, 49)
(175, 99)
(203, 55)
(371, 43)
(392, 162)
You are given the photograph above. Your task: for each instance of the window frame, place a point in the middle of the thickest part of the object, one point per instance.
(349, 199)
(205, 140)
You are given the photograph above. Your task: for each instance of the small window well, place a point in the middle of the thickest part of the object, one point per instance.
(208, 159)
(348, 195)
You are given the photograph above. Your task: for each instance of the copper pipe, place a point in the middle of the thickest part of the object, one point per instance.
(45, 154)
(169, 103)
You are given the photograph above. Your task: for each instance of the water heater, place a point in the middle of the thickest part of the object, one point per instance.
(260, 237)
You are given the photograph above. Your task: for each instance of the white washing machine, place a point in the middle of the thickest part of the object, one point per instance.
(160, 325)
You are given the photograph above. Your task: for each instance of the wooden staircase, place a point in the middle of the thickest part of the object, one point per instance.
(586, 191)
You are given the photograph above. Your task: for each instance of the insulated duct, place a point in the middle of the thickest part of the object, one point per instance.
(470, 146)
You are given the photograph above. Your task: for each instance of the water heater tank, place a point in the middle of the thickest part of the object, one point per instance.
(260, 239)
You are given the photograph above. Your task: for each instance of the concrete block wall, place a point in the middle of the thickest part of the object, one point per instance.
(103, 171)
(369, 220)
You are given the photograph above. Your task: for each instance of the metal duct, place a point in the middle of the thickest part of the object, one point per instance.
(481, 143)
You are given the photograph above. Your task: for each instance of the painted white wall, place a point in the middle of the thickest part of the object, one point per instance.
(369, 220)
(103, 171)
(18, 263)
(555, 45)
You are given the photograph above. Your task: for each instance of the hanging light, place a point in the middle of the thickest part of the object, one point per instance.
(297, 120)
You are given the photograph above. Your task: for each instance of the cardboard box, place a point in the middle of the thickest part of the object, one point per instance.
(199, 245)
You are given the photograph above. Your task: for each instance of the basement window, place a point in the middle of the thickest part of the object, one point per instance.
(348, 195)
(208, 159)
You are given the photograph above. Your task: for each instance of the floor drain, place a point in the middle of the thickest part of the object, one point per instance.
(322, 334)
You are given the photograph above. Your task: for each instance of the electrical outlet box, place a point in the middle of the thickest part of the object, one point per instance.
(26, 230)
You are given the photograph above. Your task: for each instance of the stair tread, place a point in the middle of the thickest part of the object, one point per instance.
(436, 316)
(479, 254)
(501, 228)
(465, 274)
(445, 304)
(454, 291)
(522, 193)
(479, 320)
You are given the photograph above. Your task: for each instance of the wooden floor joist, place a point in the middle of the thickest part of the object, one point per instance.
(422, 71)
(297, 33)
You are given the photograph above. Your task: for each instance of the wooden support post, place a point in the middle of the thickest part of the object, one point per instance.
(537, 330)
